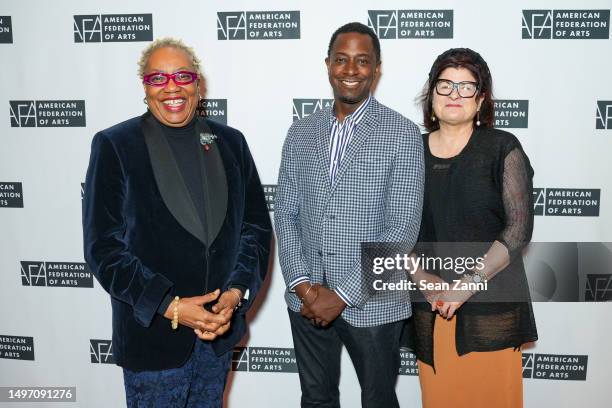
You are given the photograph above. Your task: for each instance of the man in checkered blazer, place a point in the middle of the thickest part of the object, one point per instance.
(349, 174)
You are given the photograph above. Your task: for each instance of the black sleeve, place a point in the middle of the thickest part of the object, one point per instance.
(517, 196)
(107, 252)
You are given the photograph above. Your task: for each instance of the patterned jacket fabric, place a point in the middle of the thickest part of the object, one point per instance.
(376, 196)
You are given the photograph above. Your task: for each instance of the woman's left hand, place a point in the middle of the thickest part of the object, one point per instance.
(230, 299)
(449, 301)
(227, 304)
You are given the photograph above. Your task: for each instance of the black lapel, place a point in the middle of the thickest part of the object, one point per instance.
(215, 184)
(169, 180)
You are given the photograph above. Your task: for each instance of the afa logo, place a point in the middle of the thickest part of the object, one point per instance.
(264, 359)
(258, 25)
(408, 363)
(537, 24)
(23, 113)
(6, 30)
(56, 274)
(95, 28)
(11, 194)
(511, 113)
(306, 107)
(603, 116)
(101, 351)
(527, 365)
(60, 113)
(213, 109)
(270, 195)
(578, 202)
(555, 366)
(566, 24)
(17, 347)
(383, 22)
(402, 24)
(598, 288)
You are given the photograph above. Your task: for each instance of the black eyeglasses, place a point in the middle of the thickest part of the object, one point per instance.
(465, 89)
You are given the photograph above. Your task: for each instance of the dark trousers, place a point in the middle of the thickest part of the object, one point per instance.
(374, 352)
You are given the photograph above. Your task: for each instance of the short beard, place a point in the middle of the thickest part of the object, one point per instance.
(351, 101)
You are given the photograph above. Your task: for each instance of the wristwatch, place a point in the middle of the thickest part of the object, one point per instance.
(476, 276)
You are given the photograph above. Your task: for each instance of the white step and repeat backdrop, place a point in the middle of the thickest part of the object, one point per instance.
(69, 69)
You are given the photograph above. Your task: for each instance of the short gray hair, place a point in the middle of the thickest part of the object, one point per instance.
(167, 42)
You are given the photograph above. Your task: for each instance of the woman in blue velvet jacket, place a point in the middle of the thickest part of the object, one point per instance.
(177, 231)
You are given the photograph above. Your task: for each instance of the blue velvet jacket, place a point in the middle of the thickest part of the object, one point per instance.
(144, 240)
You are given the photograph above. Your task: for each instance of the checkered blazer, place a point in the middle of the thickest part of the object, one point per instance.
(376, 196)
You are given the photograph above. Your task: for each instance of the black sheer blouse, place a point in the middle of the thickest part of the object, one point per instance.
(482, 195)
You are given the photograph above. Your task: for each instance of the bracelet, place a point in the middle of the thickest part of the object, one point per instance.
(306, 294)
(175, 312)
(237, 292)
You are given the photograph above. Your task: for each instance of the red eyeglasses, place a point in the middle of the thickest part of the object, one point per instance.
(161, 78)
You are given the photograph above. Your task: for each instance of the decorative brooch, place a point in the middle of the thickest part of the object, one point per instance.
(206, 139)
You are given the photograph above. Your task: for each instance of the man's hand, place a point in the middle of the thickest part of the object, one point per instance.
(206, 325)
(326, 307)
(307, 293)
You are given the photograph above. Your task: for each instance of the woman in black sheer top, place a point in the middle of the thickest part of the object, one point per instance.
(478, 192)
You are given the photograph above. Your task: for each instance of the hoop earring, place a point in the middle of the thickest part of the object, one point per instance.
(478, 118)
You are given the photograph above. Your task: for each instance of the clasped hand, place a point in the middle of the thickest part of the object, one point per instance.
(445, 302)
(207, 325)
(320, 305)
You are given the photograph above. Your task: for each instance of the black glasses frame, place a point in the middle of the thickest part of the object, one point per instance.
(456, 85)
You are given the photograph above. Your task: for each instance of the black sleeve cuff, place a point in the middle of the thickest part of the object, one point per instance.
(242, 288)
(164, 304)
